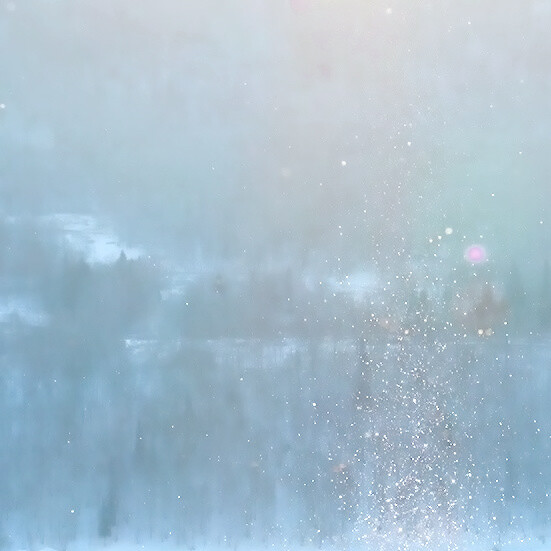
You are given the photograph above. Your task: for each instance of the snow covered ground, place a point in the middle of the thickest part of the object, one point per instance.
(513, 543)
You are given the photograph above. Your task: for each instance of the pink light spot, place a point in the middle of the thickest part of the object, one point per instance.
(475, 254)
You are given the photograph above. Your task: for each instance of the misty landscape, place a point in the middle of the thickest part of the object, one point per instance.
(275, 275)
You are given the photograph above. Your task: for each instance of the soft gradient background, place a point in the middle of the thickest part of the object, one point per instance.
(275, 274)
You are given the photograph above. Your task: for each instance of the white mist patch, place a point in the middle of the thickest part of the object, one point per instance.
(358, 284)
(179, 283)
(84, 234)
(23, 308)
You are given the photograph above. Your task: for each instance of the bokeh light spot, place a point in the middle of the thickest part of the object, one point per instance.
(476, 254)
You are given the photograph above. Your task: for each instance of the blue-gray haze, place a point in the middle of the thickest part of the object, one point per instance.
(275, 274)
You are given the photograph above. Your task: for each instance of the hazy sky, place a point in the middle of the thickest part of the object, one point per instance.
(261, 123)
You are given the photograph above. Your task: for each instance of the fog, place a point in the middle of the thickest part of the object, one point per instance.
(275, 275)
